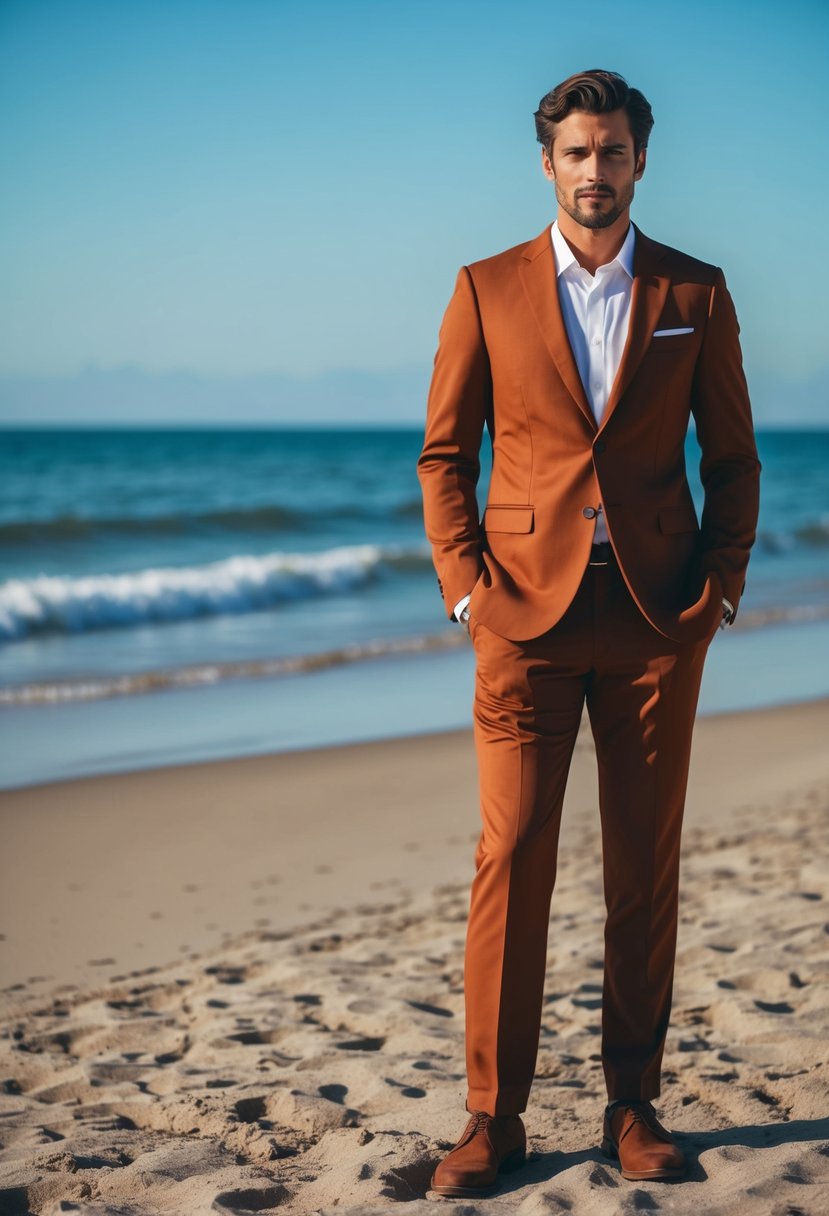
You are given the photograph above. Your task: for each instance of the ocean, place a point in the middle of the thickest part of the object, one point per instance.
(174, 595)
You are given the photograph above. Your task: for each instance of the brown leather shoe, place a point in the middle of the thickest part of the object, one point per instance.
(489, 1145)
(645, 1148)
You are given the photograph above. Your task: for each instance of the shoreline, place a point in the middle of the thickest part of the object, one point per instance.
(344, 705)
(334, 747)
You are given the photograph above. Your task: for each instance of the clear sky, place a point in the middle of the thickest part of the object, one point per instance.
(247, 186)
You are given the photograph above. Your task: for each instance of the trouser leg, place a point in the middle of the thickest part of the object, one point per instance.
(642, 703)
(529, 699)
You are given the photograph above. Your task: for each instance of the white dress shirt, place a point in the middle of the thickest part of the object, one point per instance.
(596, 314)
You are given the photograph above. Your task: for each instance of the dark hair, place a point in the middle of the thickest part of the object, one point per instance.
(595, 92)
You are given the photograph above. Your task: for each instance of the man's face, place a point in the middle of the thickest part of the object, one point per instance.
(593, 167)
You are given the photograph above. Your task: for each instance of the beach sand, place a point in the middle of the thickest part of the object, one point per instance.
(238, 986)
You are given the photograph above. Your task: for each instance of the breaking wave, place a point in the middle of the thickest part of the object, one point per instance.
(61, 604)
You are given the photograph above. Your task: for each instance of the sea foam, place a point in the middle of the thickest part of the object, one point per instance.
(245, 583)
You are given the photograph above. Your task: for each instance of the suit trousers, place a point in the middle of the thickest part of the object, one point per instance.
(641, 690)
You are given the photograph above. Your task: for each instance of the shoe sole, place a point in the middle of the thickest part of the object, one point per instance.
(609, 1149)
(513, 1161)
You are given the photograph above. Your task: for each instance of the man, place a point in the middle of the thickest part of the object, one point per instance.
(584, 352)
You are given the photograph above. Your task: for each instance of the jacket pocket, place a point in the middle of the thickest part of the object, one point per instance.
(680, 517)
(508, 519)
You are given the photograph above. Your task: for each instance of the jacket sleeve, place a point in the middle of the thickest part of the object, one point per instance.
(460, 397)
(729, 467)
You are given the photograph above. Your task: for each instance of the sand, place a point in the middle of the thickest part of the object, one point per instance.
(238, 986)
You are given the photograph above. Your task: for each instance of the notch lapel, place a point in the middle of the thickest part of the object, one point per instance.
(646, 303)
(538, 274)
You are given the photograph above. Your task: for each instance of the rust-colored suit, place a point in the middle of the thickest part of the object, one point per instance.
(552, 632)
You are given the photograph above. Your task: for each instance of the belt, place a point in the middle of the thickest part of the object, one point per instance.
(600, 553)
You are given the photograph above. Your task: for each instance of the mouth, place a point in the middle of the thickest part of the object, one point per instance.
(594, 195)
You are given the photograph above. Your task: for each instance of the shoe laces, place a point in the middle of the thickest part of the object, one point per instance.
(637, 1110)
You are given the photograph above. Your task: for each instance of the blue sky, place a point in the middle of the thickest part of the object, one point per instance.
(230, 187)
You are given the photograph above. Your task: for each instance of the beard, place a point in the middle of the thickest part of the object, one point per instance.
(597, 219)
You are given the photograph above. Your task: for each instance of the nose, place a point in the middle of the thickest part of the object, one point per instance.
(594, 169)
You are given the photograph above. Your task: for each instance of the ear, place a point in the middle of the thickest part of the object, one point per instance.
(547, 166)
(640, 164)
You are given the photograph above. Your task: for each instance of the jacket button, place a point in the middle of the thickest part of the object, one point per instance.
(599, 446)
(588, 512)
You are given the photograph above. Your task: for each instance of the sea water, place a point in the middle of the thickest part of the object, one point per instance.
(170, 595)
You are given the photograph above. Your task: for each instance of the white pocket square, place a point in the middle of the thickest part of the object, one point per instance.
(669, 333)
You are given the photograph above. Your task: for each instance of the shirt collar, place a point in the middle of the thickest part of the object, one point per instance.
(565, 258)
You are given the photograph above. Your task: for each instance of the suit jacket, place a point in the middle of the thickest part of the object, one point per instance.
(504, 361)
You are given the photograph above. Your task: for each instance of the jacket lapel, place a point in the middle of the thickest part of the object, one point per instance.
(538, 273)
(650, 289)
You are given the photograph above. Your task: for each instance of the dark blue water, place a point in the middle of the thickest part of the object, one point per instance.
(139, 560)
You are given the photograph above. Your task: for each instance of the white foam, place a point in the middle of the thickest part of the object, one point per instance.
(234, 585)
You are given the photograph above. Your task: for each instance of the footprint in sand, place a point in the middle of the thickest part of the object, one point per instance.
(308, 998)
(250, 1200)
(334, 1092)
(437, 1010)
(366, 1044)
